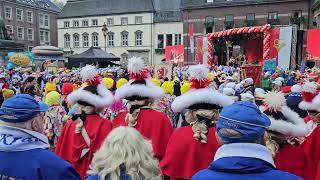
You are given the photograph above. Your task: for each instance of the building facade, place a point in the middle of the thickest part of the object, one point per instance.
(168, 27)
(133, 27)
(316, 13)
(216, 15)
(31, 22)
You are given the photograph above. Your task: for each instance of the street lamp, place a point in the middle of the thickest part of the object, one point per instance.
(105, 31)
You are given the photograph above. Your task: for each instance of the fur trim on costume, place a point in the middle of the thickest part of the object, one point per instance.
(274, 100)
(136, 69)
(296, 88)
(198, 72)
(88, 73)
(135, 65)
(294, 125)
(104, 99)
(197, 96)
(310, 87)
(314, 105)
(149, 90)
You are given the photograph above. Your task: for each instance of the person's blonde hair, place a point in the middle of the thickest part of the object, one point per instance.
(200, 129)
(125, 145)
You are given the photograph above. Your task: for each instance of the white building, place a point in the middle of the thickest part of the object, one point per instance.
(133, 27)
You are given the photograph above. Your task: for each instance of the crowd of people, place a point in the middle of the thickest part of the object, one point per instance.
(125, 125)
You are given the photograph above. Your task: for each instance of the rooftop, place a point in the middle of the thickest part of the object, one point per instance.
(39, 4)
(83, 8)
(190, 4)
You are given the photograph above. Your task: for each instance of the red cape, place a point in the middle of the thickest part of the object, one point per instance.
(311, 147)
(153, 125)
(293, 159)
(70, 144)
(185, 156)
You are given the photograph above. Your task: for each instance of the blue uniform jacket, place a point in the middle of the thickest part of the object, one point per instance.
(231, 167)
(35, 164)
(24, 156)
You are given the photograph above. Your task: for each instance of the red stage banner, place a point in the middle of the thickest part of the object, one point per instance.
(252, 71)
(200, 50)
(175, 53)
(313, 44)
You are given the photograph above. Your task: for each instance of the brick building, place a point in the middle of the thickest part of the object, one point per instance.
(31, 22)
(216, 15)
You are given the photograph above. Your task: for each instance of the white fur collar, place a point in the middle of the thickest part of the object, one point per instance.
(248, 150)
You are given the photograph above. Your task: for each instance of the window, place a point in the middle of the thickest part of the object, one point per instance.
(297, 14)
(9, 30)
(30, 34)
(66, 40)
(160, 41)
(66, 24)
(41, 20)
(85, 23)
(124, 21)
(177, 39)
(138, 38)
(76, 39)
(209, 24)
(229, 18)
(8, 12)
(138, 19)
(47, 37)
(95, 42)
(85, 39)
(169, 40)
(94, 22)
(19, 14)
(110, 39)
(20, 33)
(124, 38)
(29, 16)
(75, 23)
(41, 37)
(273, 15)
(250, 17)
(110, 21)
(46, 20)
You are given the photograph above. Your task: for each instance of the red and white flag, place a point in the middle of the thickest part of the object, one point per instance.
(281, 41)
(202, 51)
(191, 38)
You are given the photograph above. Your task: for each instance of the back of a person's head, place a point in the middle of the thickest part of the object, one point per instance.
(125, 146)
(242, 122)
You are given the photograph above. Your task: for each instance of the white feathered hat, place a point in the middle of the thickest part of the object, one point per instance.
(95, 94)
(140, 85)
(283, 119)
(310, 96)
(200, 96)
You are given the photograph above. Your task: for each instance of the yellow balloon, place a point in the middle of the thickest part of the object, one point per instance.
(156, 81)
(121, 82)
(108, 82)
(185, 87)
(167, 87)
(53, 98)
(210, 77)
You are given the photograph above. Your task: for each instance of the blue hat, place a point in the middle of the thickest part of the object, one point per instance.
(245, 118)
(21, 108)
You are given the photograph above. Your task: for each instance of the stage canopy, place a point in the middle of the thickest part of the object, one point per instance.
(94, 56)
